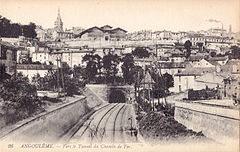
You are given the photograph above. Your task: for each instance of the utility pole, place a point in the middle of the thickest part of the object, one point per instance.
(58, 85)
(150, 86)
(158, 84)
(144, 74)
(138, 83)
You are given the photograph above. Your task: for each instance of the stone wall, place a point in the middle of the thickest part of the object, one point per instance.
(99, 90)
(50, 125)
(216, 122)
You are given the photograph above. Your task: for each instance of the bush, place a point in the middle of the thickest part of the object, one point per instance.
(20, 98)
(72, 87)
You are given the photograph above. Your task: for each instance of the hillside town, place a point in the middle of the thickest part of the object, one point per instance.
(214, 53)
(161, 71)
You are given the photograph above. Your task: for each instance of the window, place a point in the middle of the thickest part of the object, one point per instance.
(179, 87)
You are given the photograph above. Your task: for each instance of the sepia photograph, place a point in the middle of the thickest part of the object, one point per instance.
(120, 75)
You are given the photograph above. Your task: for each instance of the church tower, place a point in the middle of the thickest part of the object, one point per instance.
(58, 24)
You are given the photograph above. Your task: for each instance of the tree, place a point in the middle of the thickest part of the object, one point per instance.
(25, 59)
(59, 80)
(235, 52)
(94, 65)
(4, 27)
(29, 30)
(137, 77)
(3, 74)
(79, 72)
(8, 29)
(37, 80)
(163, 83)
(128, 68)
(168, 80)
(213, 54)
(141, 52)
(187, 46)
(110, 63)
(20, 97)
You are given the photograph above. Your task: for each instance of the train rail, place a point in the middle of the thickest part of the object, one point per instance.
(105, 125)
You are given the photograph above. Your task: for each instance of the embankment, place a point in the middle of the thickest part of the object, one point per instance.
(52, 124)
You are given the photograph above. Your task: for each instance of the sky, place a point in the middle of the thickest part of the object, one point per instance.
(134, 15)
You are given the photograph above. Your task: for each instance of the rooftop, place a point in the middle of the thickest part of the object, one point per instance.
(213, 78)
(195, 71)
(9, 45)
(35, 67)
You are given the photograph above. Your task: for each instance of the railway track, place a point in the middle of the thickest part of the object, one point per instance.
(108, 126)
(120, 130)
(82, 124)
(105, 125)
(97, 128)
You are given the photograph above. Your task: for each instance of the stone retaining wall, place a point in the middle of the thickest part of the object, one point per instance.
(218, 123)
(51, 125)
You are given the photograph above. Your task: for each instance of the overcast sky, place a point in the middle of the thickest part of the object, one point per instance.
(175, 15)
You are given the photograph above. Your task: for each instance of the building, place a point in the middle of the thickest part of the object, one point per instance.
(42, 55)
(177, 58)
(54, 34)
(30, 70)
(105, 33)
(203, 63)
(165, 35)
(210, 80)
(53, 55)
(218, 60)
(217, 32)
(71, 56)
(231, 88)
(58, 33)
(58, 24)
(164, 50)
(8, 57)
(75, 30)
(147, 82)
(171, 67)
(186, 79)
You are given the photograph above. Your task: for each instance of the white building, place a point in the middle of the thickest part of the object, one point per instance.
(43, 56)
(30, 70)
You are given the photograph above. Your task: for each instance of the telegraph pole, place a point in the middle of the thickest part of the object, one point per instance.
(58, 85)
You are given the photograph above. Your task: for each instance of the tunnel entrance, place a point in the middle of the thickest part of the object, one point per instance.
(116, 96)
